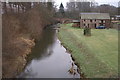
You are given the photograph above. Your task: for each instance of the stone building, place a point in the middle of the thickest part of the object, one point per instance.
(92, 20)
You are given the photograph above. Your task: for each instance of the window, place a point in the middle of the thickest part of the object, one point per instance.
(90, 20)
(84, 24)
(95, 20)
(95, 25)
(88, 25)
(101, 21)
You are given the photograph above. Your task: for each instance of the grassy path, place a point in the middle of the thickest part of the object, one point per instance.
(97, 55)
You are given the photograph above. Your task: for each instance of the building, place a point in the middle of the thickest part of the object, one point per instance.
(76, 23)
(115, 18)
(92, 20)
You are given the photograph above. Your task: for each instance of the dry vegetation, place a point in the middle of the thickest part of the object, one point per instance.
(19, 31)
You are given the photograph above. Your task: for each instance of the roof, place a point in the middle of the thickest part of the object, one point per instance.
(75, 21)
(117, 15)
(95, 15)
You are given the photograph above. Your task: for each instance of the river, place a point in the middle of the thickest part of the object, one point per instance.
(49, 59)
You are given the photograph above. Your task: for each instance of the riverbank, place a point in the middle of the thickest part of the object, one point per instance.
(20, 31)
(16, 61)
(49, 59)
(96, 56)
(16, 44)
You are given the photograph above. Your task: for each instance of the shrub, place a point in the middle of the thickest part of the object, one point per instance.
(87, 31)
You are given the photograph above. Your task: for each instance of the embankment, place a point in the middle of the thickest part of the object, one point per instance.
(96, 55)
(19, 33)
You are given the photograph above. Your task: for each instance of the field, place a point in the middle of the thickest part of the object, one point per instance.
(96, 55)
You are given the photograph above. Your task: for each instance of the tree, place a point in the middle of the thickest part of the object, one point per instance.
(87, 31)
(71, 6)
(118, 10)
(4, 7)
(49, 6)
(106, 8)
(61, 10)
(75, 7)
(83, 6)
(72, 10)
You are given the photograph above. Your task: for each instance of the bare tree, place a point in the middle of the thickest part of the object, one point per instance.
(106, 8)
(4, 7)
(83, 6)
(71, 6)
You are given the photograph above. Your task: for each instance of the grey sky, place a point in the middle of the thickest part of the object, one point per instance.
(111, 2)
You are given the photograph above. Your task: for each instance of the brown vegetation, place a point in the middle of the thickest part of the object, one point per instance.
(19, 32)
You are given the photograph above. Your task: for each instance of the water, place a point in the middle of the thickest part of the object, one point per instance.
(49, 59)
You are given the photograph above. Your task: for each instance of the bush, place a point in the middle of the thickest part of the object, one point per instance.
(87, 31)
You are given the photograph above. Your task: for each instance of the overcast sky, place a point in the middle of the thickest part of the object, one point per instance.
(111, 2)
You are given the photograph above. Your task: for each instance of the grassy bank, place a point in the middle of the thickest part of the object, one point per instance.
(97, 55)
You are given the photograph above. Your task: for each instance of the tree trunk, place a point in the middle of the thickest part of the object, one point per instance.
(4, 7)
(10, 7)
(18, 8)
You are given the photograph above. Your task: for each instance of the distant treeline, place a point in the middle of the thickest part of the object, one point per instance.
(76, 7)
(20, 7)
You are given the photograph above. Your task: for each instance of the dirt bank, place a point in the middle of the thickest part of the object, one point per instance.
(16, 61)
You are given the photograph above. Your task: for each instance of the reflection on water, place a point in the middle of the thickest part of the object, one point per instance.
(49, 59)
(43, 47)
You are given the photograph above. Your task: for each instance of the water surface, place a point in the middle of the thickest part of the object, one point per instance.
(49, 59)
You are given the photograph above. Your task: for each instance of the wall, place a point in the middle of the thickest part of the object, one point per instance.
(90, 24)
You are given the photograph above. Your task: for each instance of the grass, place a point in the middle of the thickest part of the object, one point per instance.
(97, 55)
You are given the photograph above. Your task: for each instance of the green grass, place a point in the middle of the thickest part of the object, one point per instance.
(97, 55)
